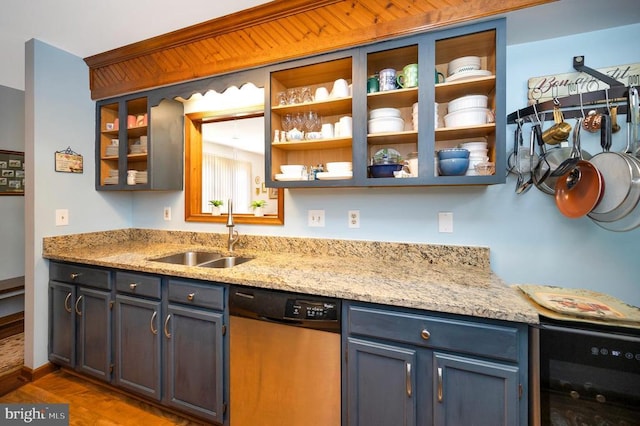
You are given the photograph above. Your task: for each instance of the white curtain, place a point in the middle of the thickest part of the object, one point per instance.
(224, 178)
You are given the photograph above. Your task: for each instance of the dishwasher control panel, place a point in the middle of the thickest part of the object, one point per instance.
(311, 310)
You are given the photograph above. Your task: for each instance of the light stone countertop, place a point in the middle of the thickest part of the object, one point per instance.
(450, 279)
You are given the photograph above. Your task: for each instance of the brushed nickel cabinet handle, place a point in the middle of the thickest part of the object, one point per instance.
(166, 325)
(67, 306)
(133, 286)
(190, 296)
(440, 397)
(153, 318)
(409, 384)
(425, 334)
(78, 312)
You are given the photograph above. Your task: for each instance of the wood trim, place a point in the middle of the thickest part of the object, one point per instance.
(29, 375)
(210, 29)
(274, 32)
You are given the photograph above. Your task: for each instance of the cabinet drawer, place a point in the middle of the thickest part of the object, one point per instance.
(189, 293)
(76, 274)
(482, 339)
(138, 284)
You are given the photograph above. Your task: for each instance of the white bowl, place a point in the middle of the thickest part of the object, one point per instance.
(339, 166)
(466, 117)
(471, 146)
(469, 101)
(465, 63)
(384, 112)
(386, 124)
(291, 169)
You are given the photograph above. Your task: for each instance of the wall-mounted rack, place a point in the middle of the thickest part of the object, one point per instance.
(574, 106)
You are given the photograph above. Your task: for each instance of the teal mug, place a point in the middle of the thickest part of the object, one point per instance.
(408, 77)
(438, 76)
(373, 84)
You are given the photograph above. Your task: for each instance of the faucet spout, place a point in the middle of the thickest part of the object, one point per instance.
(233, 235)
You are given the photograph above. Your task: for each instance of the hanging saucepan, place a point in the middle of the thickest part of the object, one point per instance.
(550, 160)
(579, 189)
(619, 209)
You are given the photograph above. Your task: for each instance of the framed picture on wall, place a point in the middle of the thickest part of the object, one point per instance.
(11, 172)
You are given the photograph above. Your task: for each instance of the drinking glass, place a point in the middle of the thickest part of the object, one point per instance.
(287, 122)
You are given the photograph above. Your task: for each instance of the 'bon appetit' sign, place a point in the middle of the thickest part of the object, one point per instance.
(545, 88)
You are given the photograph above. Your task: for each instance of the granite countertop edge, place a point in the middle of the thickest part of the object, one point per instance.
(438, 278)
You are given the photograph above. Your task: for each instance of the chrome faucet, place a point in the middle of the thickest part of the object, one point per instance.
(233, 235)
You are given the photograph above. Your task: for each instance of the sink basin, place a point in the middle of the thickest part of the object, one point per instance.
(189, 258)
(226, 262)
(202, 258)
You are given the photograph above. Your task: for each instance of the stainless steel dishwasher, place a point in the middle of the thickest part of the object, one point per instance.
(285, 358)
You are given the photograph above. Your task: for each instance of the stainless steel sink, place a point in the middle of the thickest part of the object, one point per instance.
(226, 262)
(189, 258)
(202, 258)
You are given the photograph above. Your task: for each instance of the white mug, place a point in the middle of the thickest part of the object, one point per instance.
(345, 126)
(337, 127)
(388, 79)
(131, 177)
(322, 94)
(340, 88)
(327, 131)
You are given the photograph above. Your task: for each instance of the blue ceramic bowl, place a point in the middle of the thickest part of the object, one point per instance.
(384, 170)
(445, 154)
(453, 166)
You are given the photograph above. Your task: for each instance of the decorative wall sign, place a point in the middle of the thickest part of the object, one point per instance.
(68, 161)
(547, 87)
(11, 172)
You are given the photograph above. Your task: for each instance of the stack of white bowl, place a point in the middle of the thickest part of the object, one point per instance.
(478, 153)
(470, 110)
(290, 172)
(384, 120)
(463, 64)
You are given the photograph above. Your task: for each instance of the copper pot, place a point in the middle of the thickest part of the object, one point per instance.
(579, 190)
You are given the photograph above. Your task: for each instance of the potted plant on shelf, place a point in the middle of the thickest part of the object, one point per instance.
(257, 206)
(215, 207)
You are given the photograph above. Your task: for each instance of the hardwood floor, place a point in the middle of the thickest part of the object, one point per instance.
(93, 404)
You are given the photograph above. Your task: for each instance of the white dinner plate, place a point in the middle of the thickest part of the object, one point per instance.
(334, 176)
(287, 178)
(466, 75)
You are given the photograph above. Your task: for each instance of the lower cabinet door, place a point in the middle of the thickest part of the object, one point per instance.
(381, 384)
(194, 361)
(471, 391)
(93, 313)
(62, 323)
(138, 323)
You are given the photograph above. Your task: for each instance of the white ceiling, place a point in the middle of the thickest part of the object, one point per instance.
(85, 28)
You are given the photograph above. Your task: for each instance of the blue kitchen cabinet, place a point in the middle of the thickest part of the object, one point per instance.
(194, 347)
(80, 314)
(409, 367)
(138, 319)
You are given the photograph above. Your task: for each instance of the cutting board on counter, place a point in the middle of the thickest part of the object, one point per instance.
(580, 305)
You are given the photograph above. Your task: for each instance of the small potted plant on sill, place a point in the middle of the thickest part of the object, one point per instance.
(215, 207)
(257, 206)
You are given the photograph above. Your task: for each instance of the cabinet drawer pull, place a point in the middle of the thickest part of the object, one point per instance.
(133, 286)
(166, 325)
(190, 297)
(67, 306)
(409, 384)
(153, 318)
(76, 306)
(425, 334)
(440, 384)
(74, 276)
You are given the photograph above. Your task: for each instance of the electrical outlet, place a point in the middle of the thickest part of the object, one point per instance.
(354, 218)
(315, 218)
(62, 217)
(445, 222)
(167, 213)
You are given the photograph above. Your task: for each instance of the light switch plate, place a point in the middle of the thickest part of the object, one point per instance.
(62, 217)
(445, 222)
(315, 218)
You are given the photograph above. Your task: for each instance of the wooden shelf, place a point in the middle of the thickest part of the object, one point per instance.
(477, 86)
(393, 98)
(313, 144)
(449, 133)
(410, 136)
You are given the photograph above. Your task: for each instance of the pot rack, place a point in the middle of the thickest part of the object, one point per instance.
(573, 106)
